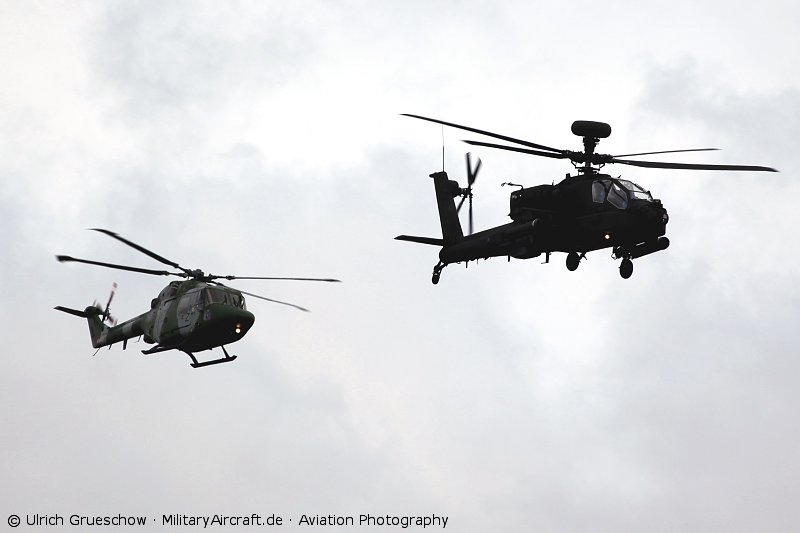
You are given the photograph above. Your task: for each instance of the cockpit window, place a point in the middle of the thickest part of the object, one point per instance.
(237, 300)
(598, 192)
(219, 296)
(636, 191)
(608, 190)
(617, 196)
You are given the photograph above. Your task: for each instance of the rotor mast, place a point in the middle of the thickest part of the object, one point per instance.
(591, 132)
(589, 144)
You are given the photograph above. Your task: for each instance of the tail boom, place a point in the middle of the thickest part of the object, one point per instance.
(101, 334)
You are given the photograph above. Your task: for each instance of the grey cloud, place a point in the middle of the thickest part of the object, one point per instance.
(193, 56)
(512, 395)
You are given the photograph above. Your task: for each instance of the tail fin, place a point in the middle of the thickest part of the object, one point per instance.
(446, 190)
(92, 315)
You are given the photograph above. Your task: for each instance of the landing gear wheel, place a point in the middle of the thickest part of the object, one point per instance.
(626, 268)
(437, 271)
(573, 260)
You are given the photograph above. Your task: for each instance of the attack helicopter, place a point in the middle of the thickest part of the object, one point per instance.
(584, 212)
(193, 315)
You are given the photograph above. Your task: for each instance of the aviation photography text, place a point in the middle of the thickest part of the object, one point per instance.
(227, 521)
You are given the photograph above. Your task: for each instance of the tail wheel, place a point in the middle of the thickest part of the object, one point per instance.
(437, 271)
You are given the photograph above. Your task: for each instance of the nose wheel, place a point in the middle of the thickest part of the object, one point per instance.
(626, 268)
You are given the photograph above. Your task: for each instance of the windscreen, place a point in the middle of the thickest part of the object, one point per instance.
(636, 191)
(221, 296)
(610, 191)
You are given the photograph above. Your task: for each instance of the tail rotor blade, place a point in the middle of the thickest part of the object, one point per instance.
(471, 225)
(458, 208)
(107, 312)
(472, 173)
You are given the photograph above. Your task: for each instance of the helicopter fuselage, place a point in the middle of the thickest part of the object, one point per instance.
(580, 214)
(190, 316)
(587, 212)
(193, 315)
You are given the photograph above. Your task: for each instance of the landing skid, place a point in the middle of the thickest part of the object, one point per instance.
(195, 363)
(226, 359)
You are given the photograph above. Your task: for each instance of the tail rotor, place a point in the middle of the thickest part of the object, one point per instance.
(466, 193)
(107, 318)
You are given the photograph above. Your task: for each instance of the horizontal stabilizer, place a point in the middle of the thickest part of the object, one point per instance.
(75, 312)
(421, 240)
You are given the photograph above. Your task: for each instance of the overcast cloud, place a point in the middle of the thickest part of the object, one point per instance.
(263, 138)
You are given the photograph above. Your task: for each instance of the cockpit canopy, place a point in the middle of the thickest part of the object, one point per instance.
(636, 191)
(618, 192)
(213, 295)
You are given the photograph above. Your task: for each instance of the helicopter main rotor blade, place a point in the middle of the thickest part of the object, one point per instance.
(141, 249)
(265, 298)
(668, 152)
(275, 301)
(692, 166)
(68, 259)
(564, 155)
(330, 280)
(487, 133)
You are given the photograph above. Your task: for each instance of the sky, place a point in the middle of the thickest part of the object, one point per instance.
(265, 139)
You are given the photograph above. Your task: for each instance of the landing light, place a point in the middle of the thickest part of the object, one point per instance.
(607, 236)
(238, 328)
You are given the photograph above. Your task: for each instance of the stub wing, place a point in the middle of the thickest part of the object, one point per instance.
(421, 240)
